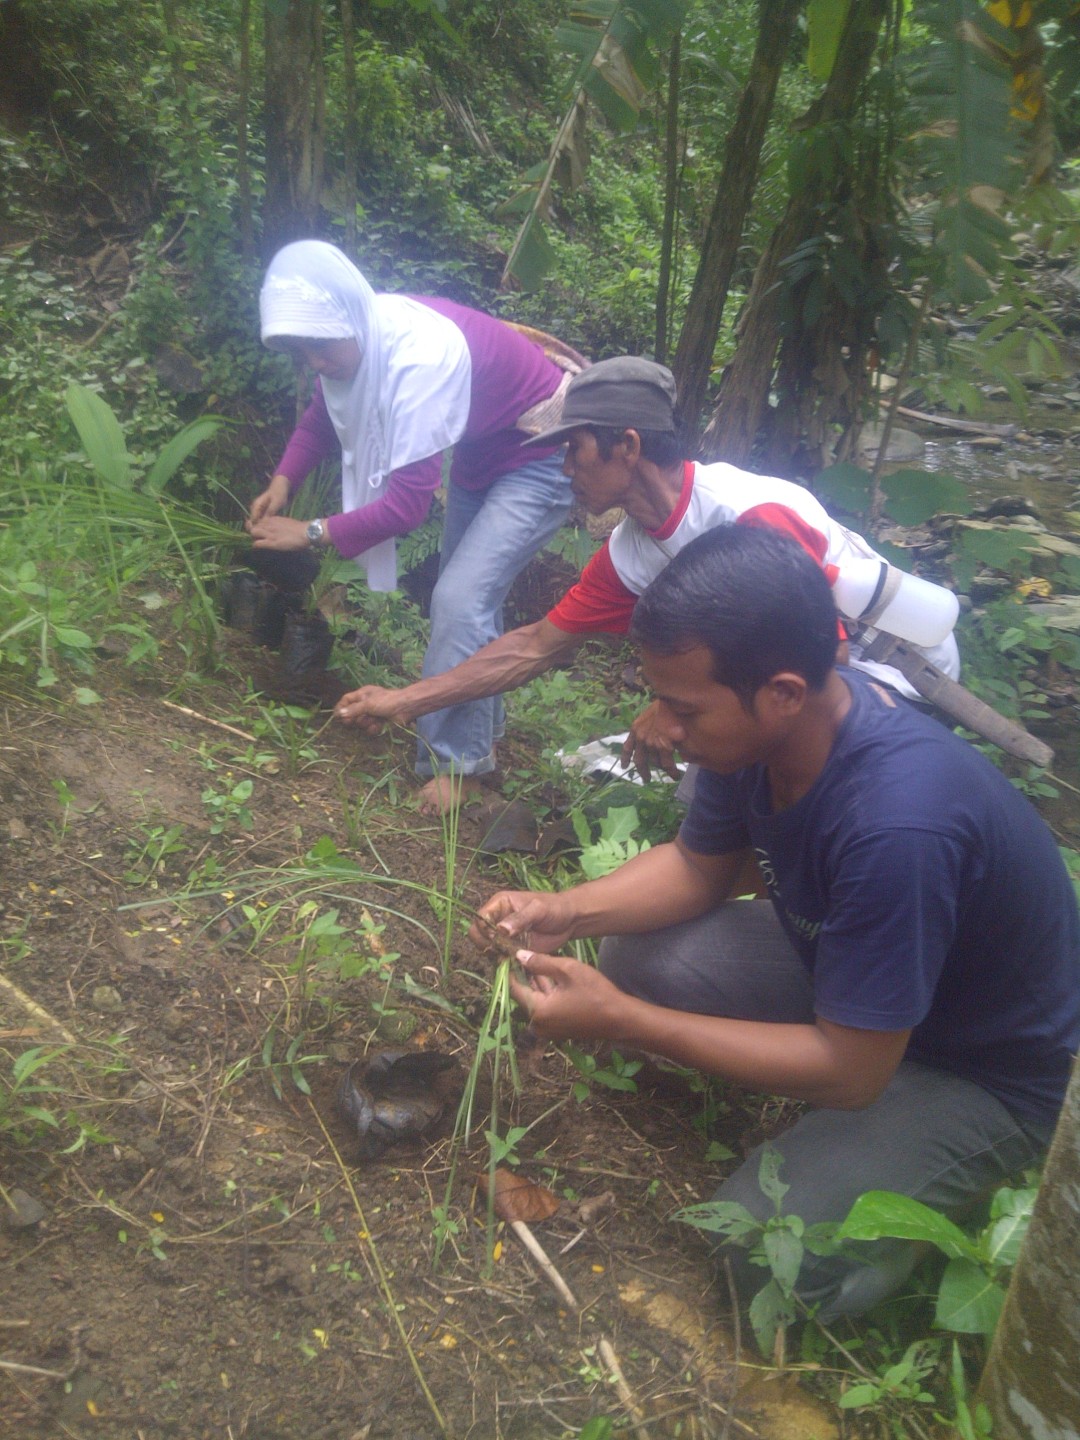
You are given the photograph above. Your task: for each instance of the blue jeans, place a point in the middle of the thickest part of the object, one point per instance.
(489, 536)
(935, 1136)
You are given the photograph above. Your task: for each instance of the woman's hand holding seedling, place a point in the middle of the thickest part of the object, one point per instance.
(278, 532)
(271, 502)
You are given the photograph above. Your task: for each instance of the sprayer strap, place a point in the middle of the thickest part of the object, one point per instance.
(883, 596)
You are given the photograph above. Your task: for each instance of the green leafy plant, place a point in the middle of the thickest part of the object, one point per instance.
(617, 1074)
(106, 447)
(616, 843)
(289, 727)
(495, 1053)
(39, 627)
(902, 1380)
(281, 1058)
(971, 1419)
(146, 855)
(777, 1244)
(228, 809)
(910, 497)
(35, 1104)
(972, 1288)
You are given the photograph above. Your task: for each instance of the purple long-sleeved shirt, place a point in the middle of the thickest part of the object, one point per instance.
(510, 374)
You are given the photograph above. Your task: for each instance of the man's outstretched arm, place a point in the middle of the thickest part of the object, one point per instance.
(506, 663)
(658, 887)
(826, 1064)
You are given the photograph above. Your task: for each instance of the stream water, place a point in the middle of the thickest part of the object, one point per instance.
(1040, 461)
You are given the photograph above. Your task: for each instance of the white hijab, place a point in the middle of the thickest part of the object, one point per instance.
(410, 397)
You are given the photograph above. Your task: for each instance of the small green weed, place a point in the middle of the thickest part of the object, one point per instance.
(35, 1105)
(617, 1074)
(228, 808)
(146, 854)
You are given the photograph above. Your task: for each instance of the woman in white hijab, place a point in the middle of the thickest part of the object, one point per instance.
(400, 380)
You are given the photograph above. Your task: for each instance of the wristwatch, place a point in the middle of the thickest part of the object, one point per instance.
(316, 533)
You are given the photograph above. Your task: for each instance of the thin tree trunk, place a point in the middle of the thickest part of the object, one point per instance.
(671, 199)
(744, 394)
(1030, 1382)
(351, 147)
(171, 12)
(293, 120)
(734, 193)
(243, 167)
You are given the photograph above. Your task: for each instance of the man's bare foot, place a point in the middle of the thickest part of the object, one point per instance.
(444, 792)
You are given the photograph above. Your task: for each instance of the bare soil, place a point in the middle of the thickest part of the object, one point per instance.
(216, 1260)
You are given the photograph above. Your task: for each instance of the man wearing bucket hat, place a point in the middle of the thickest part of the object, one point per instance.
(619, 424)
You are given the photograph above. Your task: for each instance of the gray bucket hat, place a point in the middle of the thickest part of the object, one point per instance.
(625, 392)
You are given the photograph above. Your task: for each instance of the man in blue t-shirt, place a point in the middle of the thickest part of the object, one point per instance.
(916, 977)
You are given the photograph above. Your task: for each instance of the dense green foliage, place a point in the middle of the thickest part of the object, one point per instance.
(131, 174)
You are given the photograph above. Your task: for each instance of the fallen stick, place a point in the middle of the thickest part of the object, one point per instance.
(952, 422)
(207, 720)
(38, 1012)
(539, 1254)
(33, 1370)
(603, 1345)
(622, 1389)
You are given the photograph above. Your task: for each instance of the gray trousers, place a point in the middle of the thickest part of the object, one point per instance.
(931, 1135)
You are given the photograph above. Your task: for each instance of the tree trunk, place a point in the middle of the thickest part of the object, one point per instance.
(243, 165)
(293, 120)
(351, 146)
(693, 355)
(671, 199)
(744, 393)
(1031, 1383)
(171, 11)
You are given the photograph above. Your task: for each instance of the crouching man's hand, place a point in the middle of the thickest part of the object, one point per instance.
(651, 744)
(566, 1000)
(523, 917)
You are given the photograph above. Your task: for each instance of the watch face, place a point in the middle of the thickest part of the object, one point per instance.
(315, 531)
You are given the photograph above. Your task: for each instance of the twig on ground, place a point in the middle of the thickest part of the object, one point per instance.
(38, 1011)
(208, 720)
(622, 1389)
(383, 1278)
(539, 1254)
(736, 1319)
(33, 1370)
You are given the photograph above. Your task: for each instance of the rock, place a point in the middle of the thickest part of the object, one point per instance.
(1060, 613)
(988, 587)
(106, 999)
(1004, 505)
(150, 1149)
(22, 1211)
(179, 370)
(1059, 545)
(396, 1026)
(903, 444)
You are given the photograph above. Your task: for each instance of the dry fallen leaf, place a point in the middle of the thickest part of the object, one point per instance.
(518, 1198)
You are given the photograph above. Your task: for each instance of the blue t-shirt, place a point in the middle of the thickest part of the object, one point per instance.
(923, 892)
